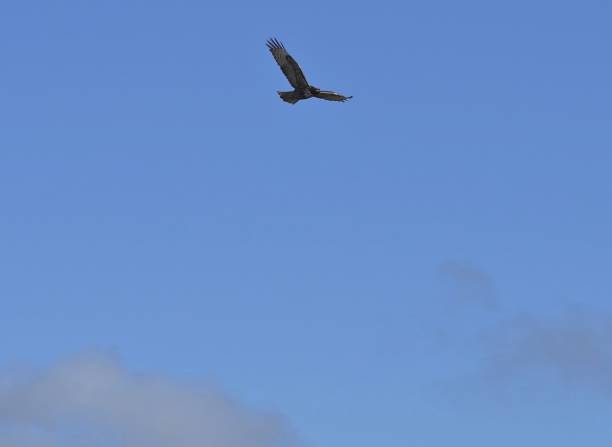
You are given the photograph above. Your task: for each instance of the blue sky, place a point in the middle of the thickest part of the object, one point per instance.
(426, 264)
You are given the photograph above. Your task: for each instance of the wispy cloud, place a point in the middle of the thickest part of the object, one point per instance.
(569, 346)
(575, 349)
(93, 400)
(468, 284)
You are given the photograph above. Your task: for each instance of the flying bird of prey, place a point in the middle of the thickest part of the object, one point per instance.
(291, 69)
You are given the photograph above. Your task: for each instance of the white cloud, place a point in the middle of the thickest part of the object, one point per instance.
(92, 400)
(26, 438)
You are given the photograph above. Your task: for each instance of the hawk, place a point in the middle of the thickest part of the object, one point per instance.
(293, 72)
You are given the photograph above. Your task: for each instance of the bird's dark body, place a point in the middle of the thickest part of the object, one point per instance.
(297, 95)
(293, 72)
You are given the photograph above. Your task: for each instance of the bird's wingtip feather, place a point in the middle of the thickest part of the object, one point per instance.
(273, 43)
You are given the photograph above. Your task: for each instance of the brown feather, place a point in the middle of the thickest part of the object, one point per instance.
(288, 65)
(331, 96)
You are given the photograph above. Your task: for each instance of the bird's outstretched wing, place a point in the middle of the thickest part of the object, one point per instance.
(290, 67)
(331, 96)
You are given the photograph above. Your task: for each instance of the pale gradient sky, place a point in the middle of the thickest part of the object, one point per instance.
(428, 264)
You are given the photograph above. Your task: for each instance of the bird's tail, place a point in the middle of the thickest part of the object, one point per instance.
(290, 97)
(332, 96)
